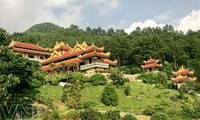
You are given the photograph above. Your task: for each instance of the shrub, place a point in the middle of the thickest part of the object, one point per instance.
(129, 117)
(154, 78)
(98, 79)
(148, 111)
(109, 96)
(90, 114)
(197, 111)
(188, 112)
(127, 70)
(45, 115)
(88, 104)
(55, 114)
(135, 70)
(117, 78)
(73, 115)
(127, 90)
(160, 86)
(113, 115)
(72, 94)
(160, 116)
(55, 81)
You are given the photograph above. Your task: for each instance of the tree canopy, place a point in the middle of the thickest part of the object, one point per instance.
(17, 75)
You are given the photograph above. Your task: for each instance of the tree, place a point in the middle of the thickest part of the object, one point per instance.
(109, 96)
(18, 76)
(129, 117)
(3, 37)
(88, 30)
(71, 94)
(110, 32)
(117, 78)
(90, 114)
(127, 90)
(98, 79)
(113, 115)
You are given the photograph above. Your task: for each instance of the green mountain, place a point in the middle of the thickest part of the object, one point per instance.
(44, 28)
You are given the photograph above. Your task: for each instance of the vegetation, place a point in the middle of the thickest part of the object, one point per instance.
(155, 78)
(160, 116)
(4, 37)
(13, 83)
(127, 90)
(173, 49)
(109, 96)
(113, 115)
(129, 117)
(117, 78)
(71, 94)
(98, 79)
(90, 114)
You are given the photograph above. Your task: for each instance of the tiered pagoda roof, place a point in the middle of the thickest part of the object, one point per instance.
(23, 47)
(77, 55)
(151, 63)
(61, 46)
(182, 75)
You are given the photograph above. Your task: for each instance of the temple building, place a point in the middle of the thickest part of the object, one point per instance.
(30, 51)
(151, 65)
(82, 57)
(182, 75)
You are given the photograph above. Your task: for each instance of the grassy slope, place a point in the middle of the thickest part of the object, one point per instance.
(145, 92)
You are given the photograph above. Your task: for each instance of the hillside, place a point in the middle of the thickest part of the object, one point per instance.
(142, 96)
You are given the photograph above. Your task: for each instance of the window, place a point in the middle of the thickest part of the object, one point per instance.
(42, 58)
(31, 56)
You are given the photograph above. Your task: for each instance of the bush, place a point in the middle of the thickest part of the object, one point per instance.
(55, 114)
(197, 111)
(72, 115)
(130, 69)
(135, 70)
(160, 116)
(129, 117)
(45, 115)
(188, 112)
(55, 81)
(113, 115)
(88, 104)
(98, 79)
(154, 78)
(149, 111)
(160, 86)
(109, 96)
(117, 78)
(127, 90)
(90, 114)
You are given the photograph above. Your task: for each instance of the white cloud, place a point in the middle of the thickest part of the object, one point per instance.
(147, 23)
(191, 21)
(19, 15)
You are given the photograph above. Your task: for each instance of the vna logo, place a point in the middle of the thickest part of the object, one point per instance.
(16, 112)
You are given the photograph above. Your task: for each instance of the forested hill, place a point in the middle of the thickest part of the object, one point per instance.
(44, 28)
(164, 43)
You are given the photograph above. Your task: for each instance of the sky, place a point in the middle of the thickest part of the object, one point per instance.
(19, 15)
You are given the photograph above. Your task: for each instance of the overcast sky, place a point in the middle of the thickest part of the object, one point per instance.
(19, 15)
